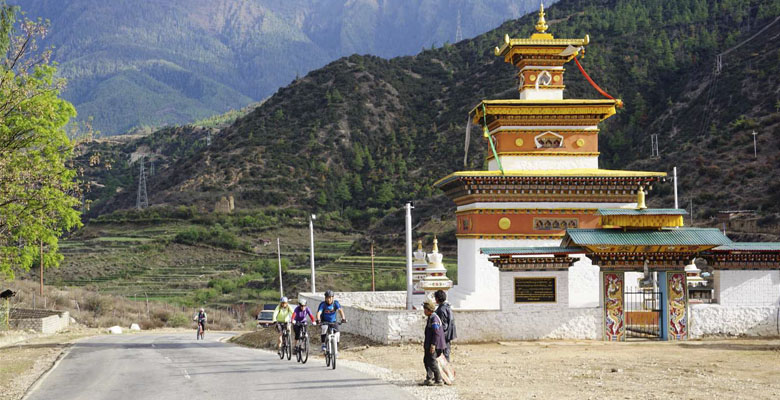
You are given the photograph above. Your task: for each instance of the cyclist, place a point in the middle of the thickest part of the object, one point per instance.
(282, 315)
(299, 317)
(326, 313)
(201, 318)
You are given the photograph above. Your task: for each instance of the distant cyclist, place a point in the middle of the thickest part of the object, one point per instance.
(282, 315)
(326, 313)
(201, 318)
(299, 317)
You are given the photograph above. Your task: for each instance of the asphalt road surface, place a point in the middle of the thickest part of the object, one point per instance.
(176, 366)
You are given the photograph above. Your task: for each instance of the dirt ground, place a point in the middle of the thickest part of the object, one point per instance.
(719, 369)
(22, 363)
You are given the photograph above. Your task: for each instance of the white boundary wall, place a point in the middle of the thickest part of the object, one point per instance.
(399, 325)
(749, 305)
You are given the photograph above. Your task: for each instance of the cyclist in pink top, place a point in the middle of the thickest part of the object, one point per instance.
(299, 320)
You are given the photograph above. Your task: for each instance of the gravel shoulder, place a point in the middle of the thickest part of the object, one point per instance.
(22, 363)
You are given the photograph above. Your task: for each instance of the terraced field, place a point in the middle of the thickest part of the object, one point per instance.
(141, 260)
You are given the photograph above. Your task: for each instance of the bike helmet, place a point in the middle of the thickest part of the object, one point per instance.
(328, 293)
(283, 299)
(302, 302)
(202, 310)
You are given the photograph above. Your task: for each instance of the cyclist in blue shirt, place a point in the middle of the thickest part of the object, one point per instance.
(326, 313)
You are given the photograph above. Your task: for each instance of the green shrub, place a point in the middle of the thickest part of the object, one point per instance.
(178, 320)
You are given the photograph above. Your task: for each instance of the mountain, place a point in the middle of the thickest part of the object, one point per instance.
(364, 134)
(140, 64)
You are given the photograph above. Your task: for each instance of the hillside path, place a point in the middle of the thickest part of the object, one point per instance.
(176, 366)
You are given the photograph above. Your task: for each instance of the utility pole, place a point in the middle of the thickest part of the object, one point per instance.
(755, 148)
(676, 205)
(279, 256)
(373, 281)
(41, 260)
(142, 201)
(691, 200)
(654, 146)
(41, 267)
(409, 255)
(458, 30)
(312, 217)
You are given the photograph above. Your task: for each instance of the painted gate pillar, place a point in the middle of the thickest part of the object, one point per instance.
(674, 305)
(613, 285)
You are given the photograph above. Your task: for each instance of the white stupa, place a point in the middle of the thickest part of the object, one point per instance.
(436, 273)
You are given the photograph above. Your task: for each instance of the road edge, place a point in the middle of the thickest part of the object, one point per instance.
(64, 353)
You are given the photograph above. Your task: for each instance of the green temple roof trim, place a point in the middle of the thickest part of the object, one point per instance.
(493, 251)
(749, 246)
(662, 237)
(646, 211)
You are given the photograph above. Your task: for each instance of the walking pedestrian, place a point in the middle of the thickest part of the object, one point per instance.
(433, 345)
(444, 311)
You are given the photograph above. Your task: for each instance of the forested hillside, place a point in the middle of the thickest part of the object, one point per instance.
(138, 64)
(364, 134)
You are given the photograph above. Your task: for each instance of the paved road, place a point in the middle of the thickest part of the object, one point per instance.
(175, 366)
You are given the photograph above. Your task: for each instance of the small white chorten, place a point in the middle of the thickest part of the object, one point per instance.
(418, 269)
(436, 273)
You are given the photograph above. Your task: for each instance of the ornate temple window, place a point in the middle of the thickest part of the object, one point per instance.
(544, 79)
(548, 140)
(555, 224)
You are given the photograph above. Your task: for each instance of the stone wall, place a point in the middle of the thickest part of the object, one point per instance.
(718, 320)
(44, 321)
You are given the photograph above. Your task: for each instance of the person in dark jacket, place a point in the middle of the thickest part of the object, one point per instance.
(433, 345)
(444, 311)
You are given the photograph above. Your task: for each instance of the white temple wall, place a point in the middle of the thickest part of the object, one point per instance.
(747, 288)
(400, 326)
(541, 94)
(478, 279)
(508, 290)
(583, 283)
(718, 320)
(535, 163)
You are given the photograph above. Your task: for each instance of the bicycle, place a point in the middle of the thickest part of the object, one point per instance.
(331, 343)
(286, 348)
(200, 331)
(302, 349)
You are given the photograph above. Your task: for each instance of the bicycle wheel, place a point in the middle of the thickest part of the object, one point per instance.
(327, 354)
(335, 351)
(282, 350)
(289, 346)
(303, 352)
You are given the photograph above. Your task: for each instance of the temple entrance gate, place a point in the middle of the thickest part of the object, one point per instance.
(643, 313)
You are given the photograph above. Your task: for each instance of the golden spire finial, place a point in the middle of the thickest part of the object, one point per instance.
(435, 244)
(640, 199)
(541, 24)
(419, 245)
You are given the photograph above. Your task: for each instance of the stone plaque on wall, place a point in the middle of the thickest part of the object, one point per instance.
(535, 290)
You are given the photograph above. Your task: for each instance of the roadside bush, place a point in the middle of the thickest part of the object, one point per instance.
(150, 324)
(97, 304)
(178, 320)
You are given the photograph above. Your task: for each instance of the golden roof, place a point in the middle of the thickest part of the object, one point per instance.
(540, 38)
(574, 172)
